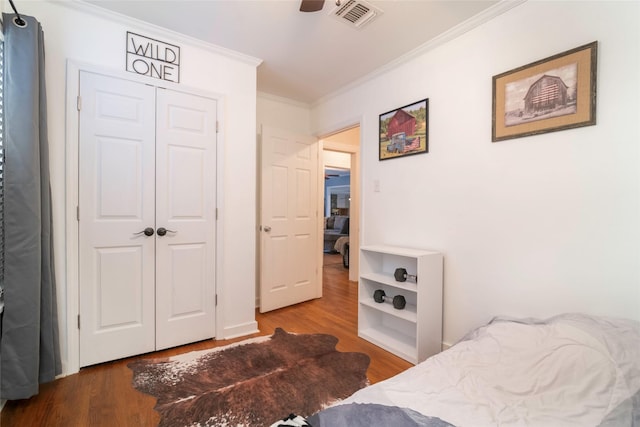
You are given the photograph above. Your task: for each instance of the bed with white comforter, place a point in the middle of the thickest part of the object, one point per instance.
(570, 370)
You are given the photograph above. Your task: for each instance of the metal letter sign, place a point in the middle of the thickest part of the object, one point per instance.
(153, 58)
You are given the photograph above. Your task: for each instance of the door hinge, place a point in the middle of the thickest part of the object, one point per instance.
(216, 300)
(217, 126)
(78, 213)
(78, 321)
(79, 103)
(216, 214)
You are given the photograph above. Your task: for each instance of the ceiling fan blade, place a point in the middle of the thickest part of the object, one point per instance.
(311, 5)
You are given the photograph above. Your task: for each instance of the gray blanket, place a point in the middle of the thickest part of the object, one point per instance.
(372, 414)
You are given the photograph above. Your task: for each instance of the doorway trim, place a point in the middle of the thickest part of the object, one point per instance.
(71, 363)
(356, 199)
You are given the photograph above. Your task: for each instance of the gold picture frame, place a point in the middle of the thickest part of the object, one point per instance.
(555, 93)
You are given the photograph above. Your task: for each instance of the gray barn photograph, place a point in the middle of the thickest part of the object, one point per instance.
(542, 96)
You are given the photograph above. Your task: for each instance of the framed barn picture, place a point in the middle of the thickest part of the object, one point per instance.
(404, 131)
(552, 94)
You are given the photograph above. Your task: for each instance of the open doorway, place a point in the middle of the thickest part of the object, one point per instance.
(340, 198)
(337, 201)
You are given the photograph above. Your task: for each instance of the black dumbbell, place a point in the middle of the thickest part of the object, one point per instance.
(398, 301)
(401, 276)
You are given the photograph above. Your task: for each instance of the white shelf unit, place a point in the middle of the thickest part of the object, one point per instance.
(415, 332)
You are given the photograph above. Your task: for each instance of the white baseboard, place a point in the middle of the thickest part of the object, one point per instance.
(446, 346)
(240, 330)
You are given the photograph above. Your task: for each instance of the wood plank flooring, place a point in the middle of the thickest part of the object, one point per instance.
(102, 395)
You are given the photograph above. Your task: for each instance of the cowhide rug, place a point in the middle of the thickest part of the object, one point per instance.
(251, 383)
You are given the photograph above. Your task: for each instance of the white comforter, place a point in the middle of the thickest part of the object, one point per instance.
(572, 370)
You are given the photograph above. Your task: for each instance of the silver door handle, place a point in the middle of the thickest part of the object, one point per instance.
(162, 231)
(267, 228)
(147, 232)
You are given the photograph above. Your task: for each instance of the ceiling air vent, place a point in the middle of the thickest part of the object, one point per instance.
(356, 13)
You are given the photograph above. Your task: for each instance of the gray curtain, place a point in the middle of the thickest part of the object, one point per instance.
(29, 349)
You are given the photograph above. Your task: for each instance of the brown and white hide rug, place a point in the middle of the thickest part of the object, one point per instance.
(251, 383)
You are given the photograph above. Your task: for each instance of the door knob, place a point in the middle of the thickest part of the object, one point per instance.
(267, 228)
(147, 232)
(162, 231)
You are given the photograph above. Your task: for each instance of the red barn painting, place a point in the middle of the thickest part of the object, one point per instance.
(403, 131)
(402, 122)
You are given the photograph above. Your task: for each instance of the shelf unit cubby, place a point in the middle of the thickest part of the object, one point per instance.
(415, 332)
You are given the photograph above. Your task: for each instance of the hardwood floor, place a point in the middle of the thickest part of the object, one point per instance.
(102, 395)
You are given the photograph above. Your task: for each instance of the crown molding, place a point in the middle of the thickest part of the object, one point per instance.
(88, 8)
(283, 100)
(455, 32)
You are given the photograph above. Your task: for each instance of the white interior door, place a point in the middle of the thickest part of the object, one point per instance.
(147, 162)
(116, 190)
(289, 270)
(185, 205)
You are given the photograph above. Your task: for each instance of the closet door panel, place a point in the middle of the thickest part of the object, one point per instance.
(116, 202)
(147, 218)
(185, 196)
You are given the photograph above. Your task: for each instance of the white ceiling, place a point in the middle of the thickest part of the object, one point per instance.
(306, 56)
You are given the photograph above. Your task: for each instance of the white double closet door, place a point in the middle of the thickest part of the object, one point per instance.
(147, 168)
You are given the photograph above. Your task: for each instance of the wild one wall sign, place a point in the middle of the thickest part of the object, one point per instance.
(153, 58)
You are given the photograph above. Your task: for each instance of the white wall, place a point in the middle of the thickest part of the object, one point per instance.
(336, 159)
(533, 226)
(283, 113)
(81, 33)
(349, 136)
